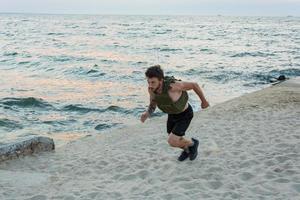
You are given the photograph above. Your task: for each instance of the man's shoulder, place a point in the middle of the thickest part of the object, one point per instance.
(171, 78)
(175, 86)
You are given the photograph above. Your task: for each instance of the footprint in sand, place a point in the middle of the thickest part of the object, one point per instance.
(142, 174)
(210, 147)
(215, 184)
(245, 176)
(128, 177)
(69, 198)
(188, 185)
(93, 195)
(215, 169)
(249, 163)
(282, 180)
(38, 197)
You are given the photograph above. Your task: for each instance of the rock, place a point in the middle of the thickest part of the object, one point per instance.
(281, 78)
(26, 146)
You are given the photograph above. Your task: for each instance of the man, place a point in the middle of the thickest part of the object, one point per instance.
(170, 95)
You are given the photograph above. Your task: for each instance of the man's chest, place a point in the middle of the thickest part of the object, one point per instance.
(174, 95)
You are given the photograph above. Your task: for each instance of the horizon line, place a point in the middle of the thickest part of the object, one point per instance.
(127, 14)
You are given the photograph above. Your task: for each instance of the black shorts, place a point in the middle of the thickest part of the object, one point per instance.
(178, 123)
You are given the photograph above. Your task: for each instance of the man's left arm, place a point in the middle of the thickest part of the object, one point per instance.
(184, 86)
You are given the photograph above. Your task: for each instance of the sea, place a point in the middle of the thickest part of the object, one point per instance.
(71, 76)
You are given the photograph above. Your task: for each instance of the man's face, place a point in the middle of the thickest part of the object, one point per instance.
(154, 84)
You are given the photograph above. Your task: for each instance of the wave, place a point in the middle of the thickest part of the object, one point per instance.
(287, 72)
(59, 58)
(162, 32)
(10, 54)
(92, 71)
(100, 34)
(59, 122)
(81, 71)
(141, 63)
(170, 49)
(79, 108)
(196, 71)
(254, 78)
(95, 72)
(113, 108)
(4, 60)
(205, 49)
(25, 102)
(271, 76)
(23, 62)
(55, 33)
(225, 76)
(121, 24)
(65, 58)
(10, 124)
(252, 54)
(105, 126)
(107, 61)
(118, 109)
(166, 49)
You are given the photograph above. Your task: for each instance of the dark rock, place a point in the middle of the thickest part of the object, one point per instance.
(28, 145)
(281, 78)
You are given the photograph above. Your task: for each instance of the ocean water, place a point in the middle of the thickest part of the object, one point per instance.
(67, 76)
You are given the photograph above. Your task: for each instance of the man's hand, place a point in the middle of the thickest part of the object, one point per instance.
(204, 104)
(144, 116)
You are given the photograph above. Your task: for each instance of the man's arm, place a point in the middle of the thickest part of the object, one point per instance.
(152, 105)
(151, 108)
(184, 86)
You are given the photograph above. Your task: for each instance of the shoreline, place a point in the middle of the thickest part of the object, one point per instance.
(249, 149)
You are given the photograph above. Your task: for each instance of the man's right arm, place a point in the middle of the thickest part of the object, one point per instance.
(151, 108)
(152, 105)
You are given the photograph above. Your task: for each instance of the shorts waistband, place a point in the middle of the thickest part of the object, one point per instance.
(187, 110)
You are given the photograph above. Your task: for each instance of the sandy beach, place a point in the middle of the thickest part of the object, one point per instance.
(249, 149)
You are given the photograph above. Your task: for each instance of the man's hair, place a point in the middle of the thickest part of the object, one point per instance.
(155, 71)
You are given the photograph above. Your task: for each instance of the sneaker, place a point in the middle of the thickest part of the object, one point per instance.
(194, 149)
(184, 155)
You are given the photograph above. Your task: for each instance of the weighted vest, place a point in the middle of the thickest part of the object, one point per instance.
(164, 101)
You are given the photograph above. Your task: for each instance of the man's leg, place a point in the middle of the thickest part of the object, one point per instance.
(189, 146)
(179, 141)
(177, 131)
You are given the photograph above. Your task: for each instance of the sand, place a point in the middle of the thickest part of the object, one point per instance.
(249, 149)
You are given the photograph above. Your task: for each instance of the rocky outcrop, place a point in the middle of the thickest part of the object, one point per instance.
(26, 146)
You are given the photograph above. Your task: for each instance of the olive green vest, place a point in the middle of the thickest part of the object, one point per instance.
(164, 101)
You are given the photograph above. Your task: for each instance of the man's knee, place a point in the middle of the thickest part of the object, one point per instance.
(172, 142)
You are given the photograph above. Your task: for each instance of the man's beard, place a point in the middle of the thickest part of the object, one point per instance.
(157, 89)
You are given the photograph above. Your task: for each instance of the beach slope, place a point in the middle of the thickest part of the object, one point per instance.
(249, 149)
